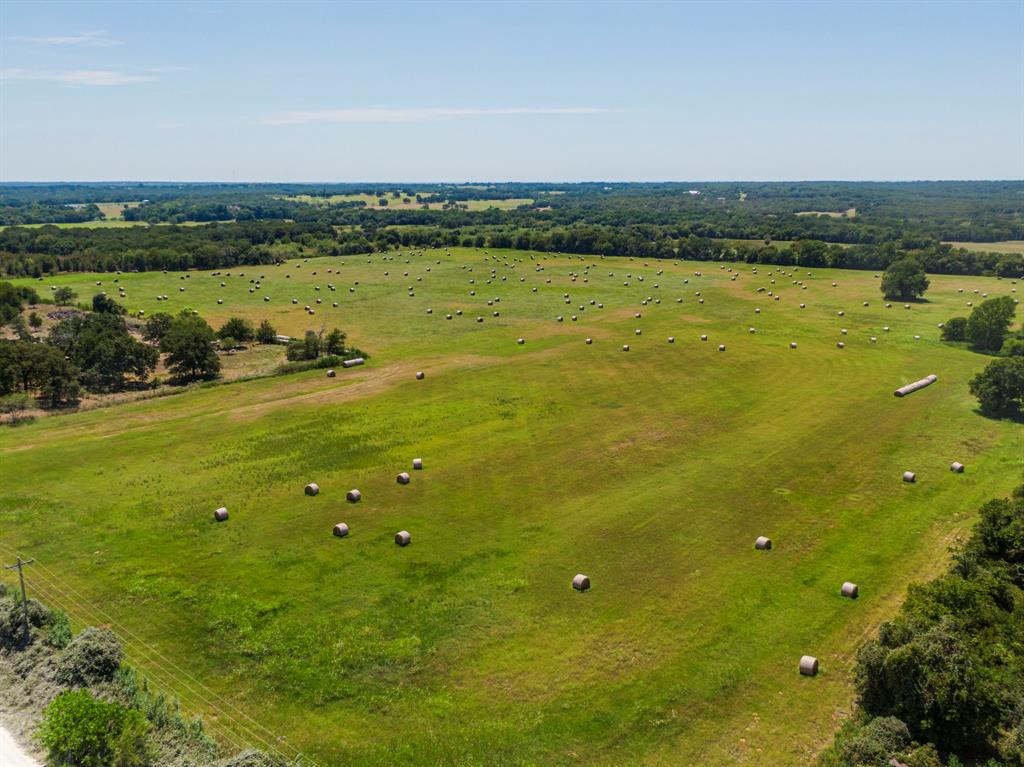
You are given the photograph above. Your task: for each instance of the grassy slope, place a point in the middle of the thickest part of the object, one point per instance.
(652, 471)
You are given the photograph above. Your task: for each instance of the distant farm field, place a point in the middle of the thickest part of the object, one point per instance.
(848, 213)
(650, 470)
(401, 203)
(1006, 246)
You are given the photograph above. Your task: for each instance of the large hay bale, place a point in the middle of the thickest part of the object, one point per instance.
(402, 478)
(420, 375)
(331, 373)
(956, 467)
(340, 530)
(403, 538)
(312, 488)
(903, 391)
(849, 590)
(909, 476)
(581, 582)
(417, 463)
(353, 362)
(808, 665)
(353, 496)
(220, 514)
(763, 543)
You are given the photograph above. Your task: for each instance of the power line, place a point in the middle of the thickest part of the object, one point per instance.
(20, 567)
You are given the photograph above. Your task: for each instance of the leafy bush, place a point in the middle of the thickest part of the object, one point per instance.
(12, 619)
(1000, 387)
(104, 304)
(14, 403)
(1013, 347)
(79, 730)
(58, 632)
(298, 366)
(879, 740)
(904, 279)
(188, 344)
(157, 326)
(987, 326)
(92, 656)
(238, 328)
(266, 334)
(955, 329)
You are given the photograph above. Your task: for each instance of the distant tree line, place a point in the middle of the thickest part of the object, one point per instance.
(913, 213)
(47, 250)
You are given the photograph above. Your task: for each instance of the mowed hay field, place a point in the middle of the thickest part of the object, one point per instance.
(652, 471)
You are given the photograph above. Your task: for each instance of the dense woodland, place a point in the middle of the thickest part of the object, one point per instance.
(872, 223)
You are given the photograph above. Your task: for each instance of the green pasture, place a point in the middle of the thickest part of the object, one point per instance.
(652, 471)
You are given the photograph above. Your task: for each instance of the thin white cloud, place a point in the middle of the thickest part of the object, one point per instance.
(91, 77)
(95, 39)
(417, 114)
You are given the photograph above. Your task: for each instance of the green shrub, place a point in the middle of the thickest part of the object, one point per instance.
(266, 334)
(904, 279)
(237, 328)
(1000, 387)
(955, 329)
(79, 730)
(989, 322)
(12, 619)
(879, 740)
(1013, 347)
(92, 656)
(58, 633)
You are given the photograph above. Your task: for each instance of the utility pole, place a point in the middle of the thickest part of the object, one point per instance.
(21, 577)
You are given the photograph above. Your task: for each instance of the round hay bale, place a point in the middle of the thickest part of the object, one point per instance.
(721, 347)
(417, 463)
(353, 496)
(671, 339)
(331, 373)
(420, 375)
(849, 590)
(221, 514)
(625, 347)
(703, 338)
(909, 476)
(520, 341)
(808, 665)
(956, 467)
(639, 332)
(340, 530)
(763, 543)
(402, 478)
(312, 488)
(581, 582)
(840, 345)
(402, 538)
(792, 344)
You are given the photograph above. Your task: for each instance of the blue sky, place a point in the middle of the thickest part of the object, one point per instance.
(519, 91)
